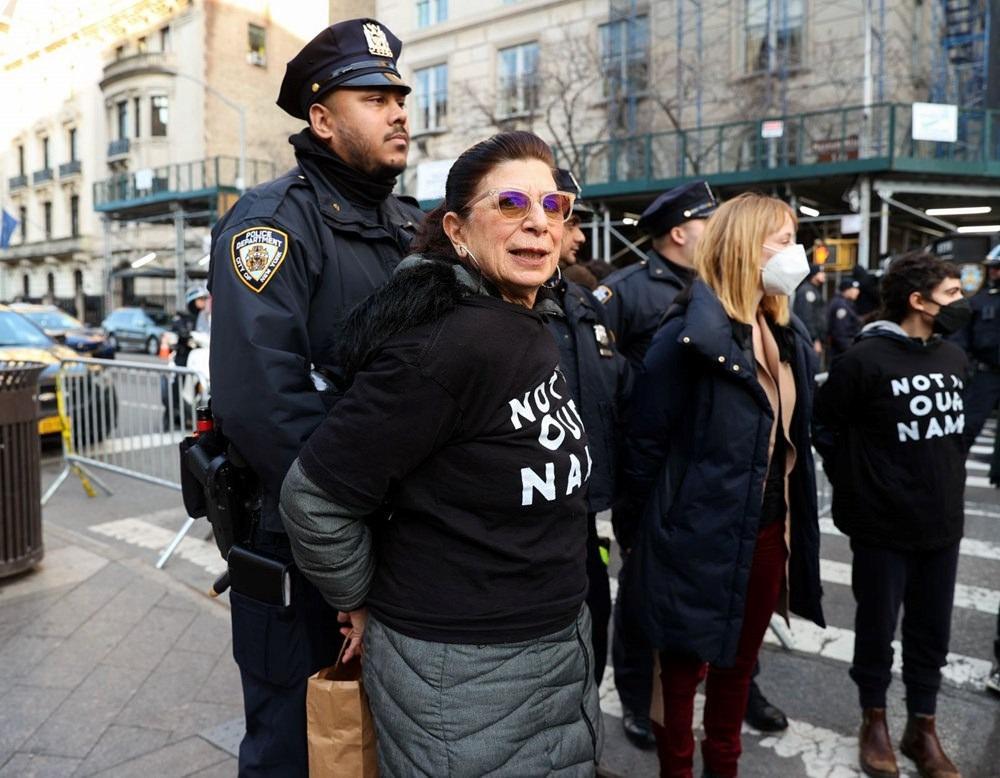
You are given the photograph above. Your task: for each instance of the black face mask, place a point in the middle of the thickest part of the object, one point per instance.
(952, 317)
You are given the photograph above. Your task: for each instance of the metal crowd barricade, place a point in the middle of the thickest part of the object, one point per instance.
(125, 418)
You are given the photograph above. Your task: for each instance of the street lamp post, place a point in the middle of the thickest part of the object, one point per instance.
(240, 180)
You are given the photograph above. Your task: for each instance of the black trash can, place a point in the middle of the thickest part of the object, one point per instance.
(20, 457)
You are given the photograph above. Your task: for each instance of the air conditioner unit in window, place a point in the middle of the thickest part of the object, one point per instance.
(256, 58)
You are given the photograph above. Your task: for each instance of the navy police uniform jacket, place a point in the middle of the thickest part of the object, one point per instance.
(981, 336)
(811, 309)
(599, 379)
(636, 299)
(696, 458)
(289, 261)
(843, 324)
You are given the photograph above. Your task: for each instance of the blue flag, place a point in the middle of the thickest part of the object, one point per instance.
(7, 226)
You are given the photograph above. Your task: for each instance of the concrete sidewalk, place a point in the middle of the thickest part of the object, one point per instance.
(109, 667)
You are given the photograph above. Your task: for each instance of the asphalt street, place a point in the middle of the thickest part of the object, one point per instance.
(808, 681)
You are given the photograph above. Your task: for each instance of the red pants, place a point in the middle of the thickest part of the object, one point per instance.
(726, 688)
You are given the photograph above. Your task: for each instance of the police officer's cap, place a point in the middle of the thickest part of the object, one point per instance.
(566, 182)
(680, 204)
(993, 258)
(355, 53)
(848, 283)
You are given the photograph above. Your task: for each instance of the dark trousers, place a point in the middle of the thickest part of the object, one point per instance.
(276, 652)
(726, 688)
(598, 599)
(981, 397)
(631, 654)
(923, 582)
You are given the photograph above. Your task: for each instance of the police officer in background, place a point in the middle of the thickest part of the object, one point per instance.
(636, 297)
(981, 340)
(290, 259)
(810, 307)
(599, 380)
(842, 321)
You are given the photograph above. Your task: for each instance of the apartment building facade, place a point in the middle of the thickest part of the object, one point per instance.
(791, 96)
(126, 110)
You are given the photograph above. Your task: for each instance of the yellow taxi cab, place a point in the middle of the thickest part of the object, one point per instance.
(22, 341)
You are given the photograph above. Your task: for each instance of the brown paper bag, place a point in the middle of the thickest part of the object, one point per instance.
(339, 724)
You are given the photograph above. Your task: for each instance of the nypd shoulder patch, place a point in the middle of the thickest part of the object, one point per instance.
(810, 296)
(603, 294)
(841, 313)
(257, 253)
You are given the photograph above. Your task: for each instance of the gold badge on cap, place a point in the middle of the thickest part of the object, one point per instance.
(377, 43)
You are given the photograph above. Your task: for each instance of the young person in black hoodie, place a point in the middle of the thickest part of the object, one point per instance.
(889, 427)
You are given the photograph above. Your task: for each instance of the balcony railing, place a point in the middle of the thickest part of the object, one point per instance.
(808, 144)
(41, 176)
(118, 148)
(17, 182)
(137, 65)
(188, 179)
(70, 168)
(50, 247)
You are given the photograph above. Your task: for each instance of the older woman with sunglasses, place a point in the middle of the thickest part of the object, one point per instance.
(441, 505)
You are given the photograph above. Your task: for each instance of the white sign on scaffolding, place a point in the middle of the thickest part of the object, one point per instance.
(935, 122)
(773, 128)
(431, 178)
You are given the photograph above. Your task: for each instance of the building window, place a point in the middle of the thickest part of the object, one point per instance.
(47, 210)
(45, 153)
(74, 215)
(774, 35)
(165, 38)
(432, 97)
(122, 115)
(517, 90)
(71, 143)
(26, 286)
(625, 57)
(119, 51)
(50, 285)
(20, 161)
(136, 114)
(142, 45)
(431, 12)
(159, 118)
(23, 212)
(256, 45)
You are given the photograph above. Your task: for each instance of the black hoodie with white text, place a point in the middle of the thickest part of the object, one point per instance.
(888, 424)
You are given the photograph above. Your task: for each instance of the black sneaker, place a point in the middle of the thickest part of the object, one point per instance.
(762, 715)
(638, 730)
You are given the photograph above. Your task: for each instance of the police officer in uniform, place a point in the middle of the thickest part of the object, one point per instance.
(290, 259)
(810, 307)
(637, 297)
(981, 340)
(599, 380)
(842, 321)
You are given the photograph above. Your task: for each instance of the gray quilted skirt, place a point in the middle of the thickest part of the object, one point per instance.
(516, 709)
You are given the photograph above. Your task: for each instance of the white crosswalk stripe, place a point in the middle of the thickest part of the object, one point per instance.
(970, 547)
(838, 643)
(145, 534)
(975, 598)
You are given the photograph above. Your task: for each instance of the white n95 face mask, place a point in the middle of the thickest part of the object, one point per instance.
(785, 270)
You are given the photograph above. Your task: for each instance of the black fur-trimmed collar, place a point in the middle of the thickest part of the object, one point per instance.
(420, 291)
